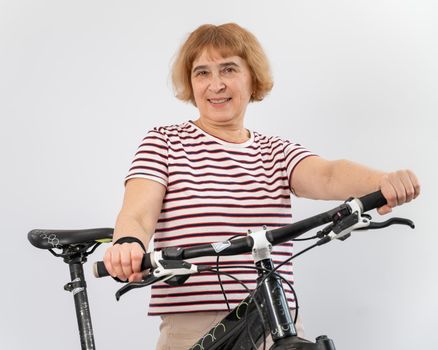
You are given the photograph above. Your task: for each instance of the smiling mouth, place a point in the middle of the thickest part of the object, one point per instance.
(218, 101)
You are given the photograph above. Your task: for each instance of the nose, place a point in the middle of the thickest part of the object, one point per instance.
(216, 84)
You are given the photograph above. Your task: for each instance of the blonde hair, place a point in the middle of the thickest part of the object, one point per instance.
(230, 40)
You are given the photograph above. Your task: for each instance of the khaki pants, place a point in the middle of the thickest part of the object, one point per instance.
(181, 331)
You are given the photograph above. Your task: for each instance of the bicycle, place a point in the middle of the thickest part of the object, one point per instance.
(266, 302)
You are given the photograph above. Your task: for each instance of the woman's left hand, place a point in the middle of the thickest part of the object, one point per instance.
(398, 187)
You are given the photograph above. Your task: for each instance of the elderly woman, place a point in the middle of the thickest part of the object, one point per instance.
(211, 178)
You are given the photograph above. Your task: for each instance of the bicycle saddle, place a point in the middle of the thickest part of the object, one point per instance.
(49, 239)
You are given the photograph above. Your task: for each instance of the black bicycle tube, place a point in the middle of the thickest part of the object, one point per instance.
(227, 334)
(82, 306)
(238, 245)
(277, 236)
(274, 301)
(244, 244)
(289, 232)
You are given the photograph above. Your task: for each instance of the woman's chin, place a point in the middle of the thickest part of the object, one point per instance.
(220, 116)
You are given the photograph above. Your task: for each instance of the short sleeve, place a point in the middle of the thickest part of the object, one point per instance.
(151, 159)
(294, 153)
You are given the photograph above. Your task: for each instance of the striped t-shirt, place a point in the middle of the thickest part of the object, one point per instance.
(215, 190)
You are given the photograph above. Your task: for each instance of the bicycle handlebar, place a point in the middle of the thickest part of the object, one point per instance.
(243, 245)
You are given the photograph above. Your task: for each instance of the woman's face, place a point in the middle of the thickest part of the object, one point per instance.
(222, 87)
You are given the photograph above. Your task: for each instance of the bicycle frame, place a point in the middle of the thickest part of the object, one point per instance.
(230, 334)
(227, 334)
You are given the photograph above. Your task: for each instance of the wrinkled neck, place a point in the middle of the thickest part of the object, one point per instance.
(229, 132)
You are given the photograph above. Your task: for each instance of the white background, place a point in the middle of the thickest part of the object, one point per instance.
(82, 81)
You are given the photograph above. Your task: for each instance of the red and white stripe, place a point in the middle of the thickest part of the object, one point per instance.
(215, 190)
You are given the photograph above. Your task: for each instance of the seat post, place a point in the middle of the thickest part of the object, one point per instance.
(78, 287)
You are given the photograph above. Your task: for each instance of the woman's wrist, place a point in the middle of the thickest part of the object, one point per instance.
(130, 239)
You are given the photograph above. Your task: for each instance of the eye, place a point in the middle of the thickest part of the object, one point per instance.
(229, 70)
(201, 73)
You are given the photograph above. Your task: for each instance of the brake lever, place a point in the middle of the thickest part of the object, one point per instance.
(150, 279)
(389, 222)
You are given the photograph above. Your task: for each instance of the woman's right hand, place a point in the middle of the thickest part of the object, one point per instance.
(124, 261)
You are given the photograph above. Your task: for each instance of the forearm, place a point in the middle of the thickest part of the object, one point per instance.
(317, 178)
(347, 179)
(140, 210)
(130, 225)
(137, 218)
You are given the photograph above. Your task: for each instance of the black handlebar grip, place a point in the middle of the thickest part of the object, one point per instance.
(99, 269)
(146, 262)
(372, 201)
